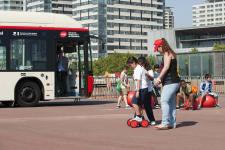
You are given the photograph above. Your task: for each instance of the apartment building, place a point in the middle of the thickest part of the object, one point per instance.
(16, 5)
(54, 6)
(168, 18)
(120, 25)
(211, 12)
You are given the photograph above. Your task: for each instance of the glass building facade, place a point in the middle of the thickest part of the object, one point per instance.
(198, 64)
(195, 49)
(200, 37)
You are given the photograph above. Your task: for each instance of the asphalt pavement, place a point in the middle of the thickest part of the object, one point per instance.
(97, 125)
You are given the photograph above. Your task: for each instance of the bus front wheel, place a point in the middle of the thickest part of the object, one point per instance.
(28, 94)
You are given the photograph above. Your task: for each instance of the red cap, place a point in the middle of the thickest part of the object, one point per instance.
(157, 44)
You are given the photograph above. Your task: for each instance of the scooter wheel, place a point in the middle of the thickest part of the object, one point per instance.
(134, 124)
(128, 122)
(144, 123)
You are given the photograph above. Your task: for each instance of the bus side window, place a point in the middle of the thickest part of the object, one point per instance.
(2, 58)
(14, 64)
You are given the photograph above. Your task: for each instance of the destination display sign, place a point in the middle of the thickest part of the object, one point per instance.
(19, 33)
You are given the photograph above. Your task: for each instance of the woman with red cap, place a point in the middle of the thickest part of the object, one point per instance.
(170, 81)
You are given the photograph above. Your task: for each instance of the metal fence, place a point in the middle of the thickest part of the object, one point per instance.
(106, 87)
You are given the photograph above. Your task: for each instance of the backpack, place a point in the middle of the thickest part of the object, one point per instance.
(194, 89)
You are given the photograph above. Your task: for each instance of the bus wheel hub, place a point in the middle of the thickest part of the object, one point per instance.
(27, 94)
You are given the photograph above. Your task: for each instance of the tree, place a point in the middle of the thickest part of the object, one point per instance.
(152, 60)
(115, 62)
(194, 50)
(112, 63)
(219, 47)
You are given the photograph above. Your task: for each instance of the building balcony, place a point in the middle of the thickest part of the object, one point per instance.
(200, 49)
(207, 38)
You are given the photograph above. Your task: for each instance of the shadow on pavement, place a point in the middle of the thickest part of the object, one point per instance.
(186, 123)
(54, 103)
(72, 103)
(181, 124)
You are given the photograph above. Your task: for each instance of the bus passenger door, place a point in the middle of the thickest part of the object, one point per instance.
(81, 70)
(67, 68)
(78, 69)
(84, 73)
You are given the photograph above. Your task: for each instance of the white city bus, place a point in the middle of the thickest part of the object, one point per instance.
(29, 45)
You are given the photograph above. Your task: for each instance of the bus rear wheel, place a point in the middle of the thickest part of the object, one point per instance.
(28, 94)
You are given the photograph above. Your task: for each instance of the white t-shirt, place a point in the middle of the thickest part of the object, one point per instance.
(150, 84)
(139, 74)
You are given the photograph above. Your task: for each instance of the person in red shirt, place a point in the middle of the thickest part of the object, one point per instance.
(90, 83)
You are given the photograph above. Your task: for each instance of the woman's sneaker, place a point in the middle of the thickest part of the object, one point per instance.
(127, 107)
(157, 106)
(153, 123)
(118, 106)
(218, 106)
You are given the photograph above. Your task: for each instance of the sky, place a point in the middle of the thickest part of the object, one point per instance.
(182, 11)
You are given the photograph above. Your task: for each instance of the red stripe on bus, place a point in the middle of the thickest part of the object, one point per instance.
(44, 28)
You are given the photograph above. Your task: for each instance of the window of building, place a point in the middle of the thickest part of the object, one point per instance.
(202, 20)
(183, 65)
(202, 11)
(207, 63)
(219, 63)
(195, 63)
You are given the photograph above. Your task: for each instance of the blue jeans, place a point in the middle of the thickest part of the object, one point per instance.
(144, 100)
(168, 104)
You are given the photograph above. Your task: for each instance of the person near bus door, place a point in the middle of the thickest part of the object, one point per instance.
(62, 72)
